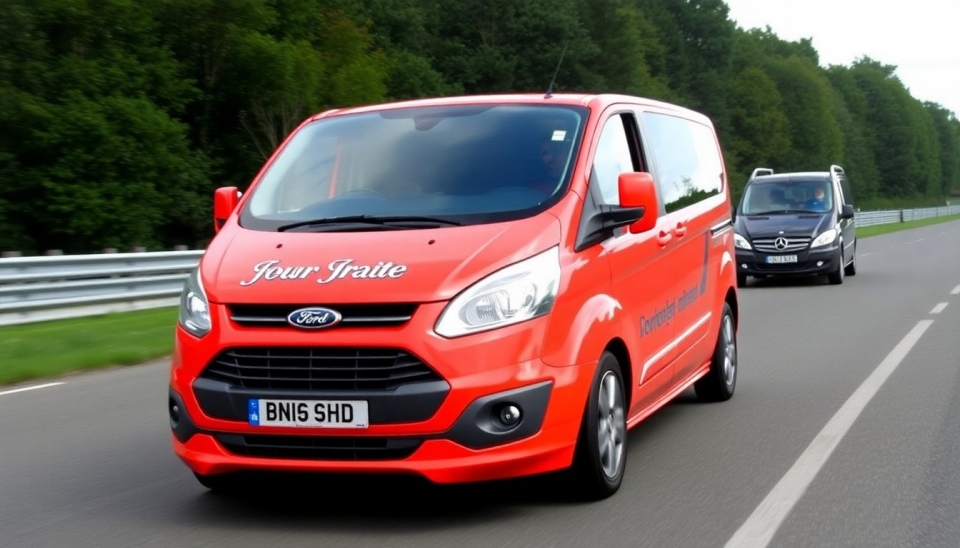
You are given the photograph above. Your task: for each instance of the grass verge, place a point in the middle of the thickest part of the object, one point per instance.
(868, 231)
(48, 349)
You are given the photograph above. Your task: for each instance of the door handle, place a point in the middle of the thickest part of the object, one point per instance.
(680, 230)
(664, 238)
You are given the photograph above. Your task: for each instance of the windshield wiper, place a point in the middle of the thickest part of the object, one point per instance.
(781, 212)
(394, 221)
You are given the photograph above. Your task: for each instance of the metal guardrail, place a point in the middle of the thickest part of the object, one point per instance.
(35, 289)
(873, 218)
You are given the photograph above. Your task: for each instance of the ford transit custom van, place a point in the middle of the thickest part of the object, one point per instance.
(467, 289)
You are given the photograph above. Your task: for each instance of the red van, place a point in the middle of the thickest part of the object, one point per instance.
(467, 288)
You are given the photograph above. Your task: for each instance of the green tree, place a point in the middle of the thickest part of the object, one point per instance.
(892, 117)
(815, 135)
(760, 126)
(625, 40)
(98, 157)
(948, 134)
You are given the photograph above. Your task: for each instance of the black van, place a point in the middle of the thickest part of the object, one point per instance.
(796, 224)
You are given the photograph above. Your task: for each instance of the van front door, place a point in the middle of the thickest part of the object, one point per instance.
(642, 270)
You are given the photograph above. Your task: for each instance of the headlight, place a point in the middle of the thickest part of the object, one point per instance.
(194, 308)
(514, 294)
(740, 241)
(826, 238)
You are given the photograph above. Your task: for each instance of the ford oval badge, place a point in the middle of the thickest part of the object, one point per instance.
(313, 318)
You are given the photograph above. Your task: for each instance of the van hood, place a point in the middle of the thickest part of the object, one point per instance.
(410, 266)
(806, 225)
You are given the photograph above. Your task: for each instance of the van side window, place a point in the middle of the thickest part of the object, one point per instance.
(846, 191)
(688, 164)
(615, 155)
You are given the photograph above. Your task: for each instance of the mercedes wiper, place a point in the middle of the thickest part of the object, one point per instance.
(780, 212)
(393, 221)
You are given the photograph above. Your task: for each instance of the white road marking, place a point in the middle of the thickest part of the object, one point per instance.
(39, 386)
(758, 530)
(939, 308)
(864, 254)
(956, 290)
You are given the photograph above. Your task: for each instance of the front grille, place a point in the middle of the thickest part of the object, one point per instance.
(767, 245)
(353, 315)
(353, 448)
(307, 368)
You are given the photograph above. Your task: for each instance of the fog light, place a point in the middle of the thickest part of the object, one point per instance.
(509, 415)
(744, 266)
(819, 263)
(174, 412)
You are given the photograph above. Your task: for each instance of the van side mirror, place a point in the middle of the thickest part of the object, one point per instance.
(638, 191)
(225, 200)
(637, 210)
(846, 212)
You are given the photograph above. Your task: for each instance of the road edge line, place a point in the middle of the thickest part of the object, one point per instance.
(761, 526)
(28, 388)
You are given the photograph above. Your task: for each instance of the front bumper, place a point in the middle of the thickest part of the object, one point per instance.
(444, 429)
(808, 261)
(542, 446)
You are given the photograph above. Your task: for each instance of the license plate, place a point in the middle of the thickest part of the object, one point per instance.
(308, 413)
(779, 259)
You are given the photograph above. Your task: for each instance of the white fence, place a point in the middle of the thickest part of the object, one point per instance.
(34, 289)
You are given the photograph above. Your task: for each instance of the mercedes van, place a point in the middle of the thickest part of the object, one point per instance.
(467, 289)
(794, 224)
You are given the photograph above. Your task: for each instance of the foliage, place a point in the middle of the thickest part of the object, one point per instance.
(120, 117)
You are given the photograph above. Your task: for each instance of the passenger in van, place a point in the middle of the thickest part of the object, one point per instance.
(819, 200)
(553, 155)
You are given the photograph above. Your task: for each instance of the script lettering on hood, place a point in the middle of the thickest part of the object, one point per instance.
(336, 270)
(342, 268)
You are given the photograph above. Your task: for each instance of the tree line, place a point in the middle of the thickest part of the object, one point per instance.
(120, 117)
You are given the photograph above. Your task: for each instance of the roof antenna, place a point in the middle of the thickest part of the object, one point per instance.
(550, 89)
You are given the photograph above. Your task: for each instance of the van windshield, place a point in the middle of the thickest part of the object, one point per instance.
(453, 164)
(787, 196)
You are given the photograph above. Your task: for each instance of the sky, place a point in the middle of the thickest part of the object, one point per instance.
(919, 37)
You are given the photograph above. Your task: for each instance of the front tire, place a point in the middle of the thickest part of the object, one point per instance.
(836, 277)
(720, 382)
(852, 267)
(601, 454)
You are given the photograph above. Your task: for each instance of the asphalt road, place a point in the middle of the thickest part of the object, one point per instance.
(844, 431)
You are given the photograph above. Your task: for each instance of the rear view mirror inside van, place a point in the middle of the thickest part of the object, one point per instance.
(639, 190)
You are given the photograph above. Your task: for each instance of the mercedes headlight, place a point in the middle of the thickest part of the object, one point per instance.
(826, 238)
(514, 294)
(740, 241)
(194, 307)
